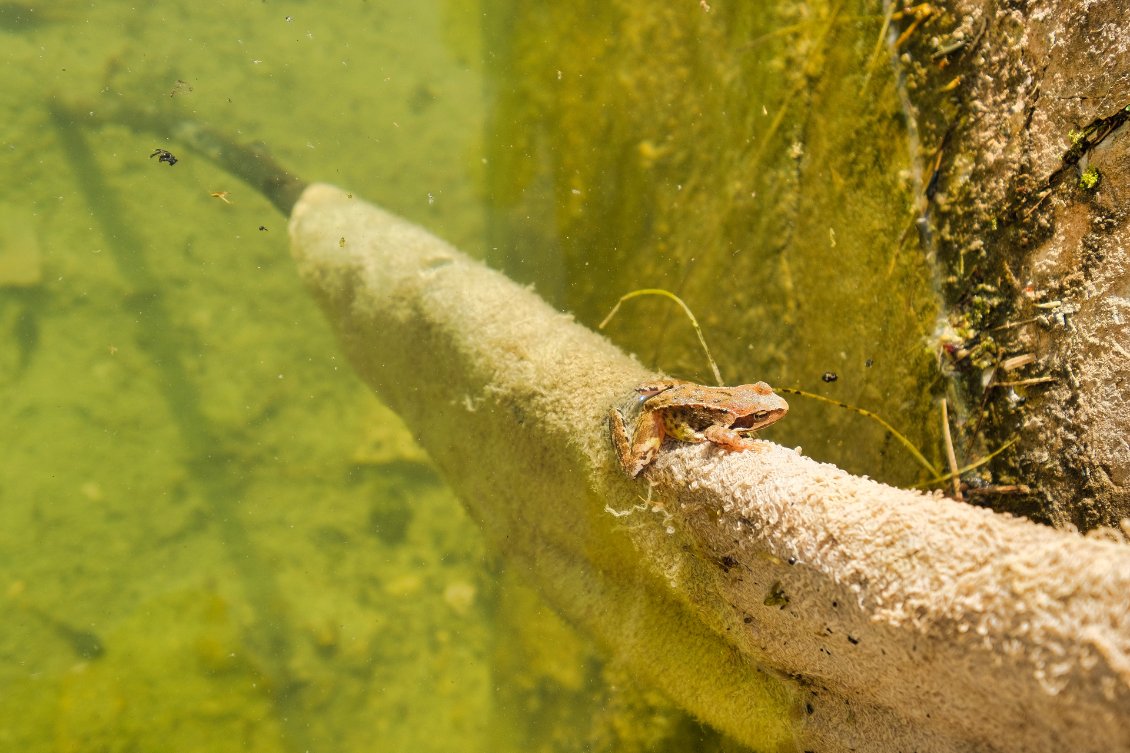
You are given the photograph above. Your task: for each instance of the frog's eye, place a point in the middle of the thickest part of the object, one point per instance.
(753, 419)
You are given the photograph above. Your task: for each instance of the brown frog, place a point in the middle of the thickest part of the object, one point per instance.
(691, 412)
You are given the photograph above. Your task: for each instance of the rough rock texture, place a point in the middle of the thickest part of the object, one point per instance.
(786, 602)
(1026, 107)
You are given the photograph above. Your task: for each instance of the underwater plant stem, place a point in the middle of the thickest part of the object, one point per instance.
(914, 451)
(686, 310)
(951, 458)
(967, 468)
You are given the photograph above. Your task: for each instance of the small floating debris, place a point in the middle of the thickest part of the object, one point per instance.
(164, 155)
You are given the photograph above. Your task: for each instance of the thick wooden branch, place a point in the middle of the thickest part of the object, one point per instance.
(784, 601)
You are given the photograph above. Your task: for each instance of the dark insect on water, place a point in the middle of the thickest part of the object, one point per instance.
(164, 155)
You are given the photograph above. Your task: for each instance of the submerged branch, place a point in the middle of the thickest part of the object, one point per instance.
(784, 601)
(251, 163)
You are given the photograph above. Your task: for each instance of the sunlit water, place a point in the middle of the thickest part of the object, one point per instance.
(211, 537)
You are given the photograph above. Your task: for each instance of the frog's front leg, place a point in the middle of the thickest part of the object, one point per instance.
(637, 452)
(728, 438)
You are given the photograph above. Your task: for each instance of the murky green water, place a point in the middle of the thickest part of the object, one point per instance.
(211, 536)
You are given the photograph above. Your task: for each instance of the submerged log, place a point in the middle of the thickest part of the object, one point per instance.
(784, 601)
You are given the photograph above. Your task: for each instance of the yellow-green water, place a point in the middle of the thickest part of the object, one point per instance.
(211, 536)
(754, 158)
(191, 479)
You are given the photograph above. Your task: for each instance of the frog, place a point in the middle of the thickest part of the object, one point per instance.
(690, 412)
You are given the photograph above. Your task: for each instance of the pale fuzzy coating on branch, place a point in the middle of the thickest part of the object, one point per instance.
(509, 397)
(906, 621)
(955, 617)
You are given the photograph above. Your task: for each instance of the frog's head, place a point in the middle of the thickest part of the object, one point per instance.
(759, 408)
